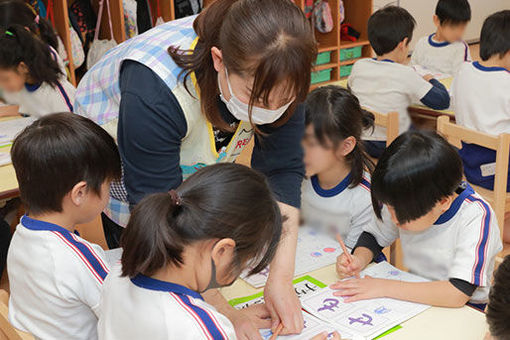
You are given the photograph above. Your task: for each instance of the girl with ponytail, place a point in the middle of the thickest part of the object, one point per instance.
(30, 76)
(179, 244)
(18, 12)
(336, 194)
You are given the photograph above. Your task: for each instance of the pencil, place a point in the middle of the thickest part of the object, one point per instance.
(277, 332)
(346, 252)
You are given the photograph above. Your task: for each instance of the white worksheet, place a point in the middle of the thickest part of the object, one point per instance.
(11, 128)
(367, 318)
(315, 250)
(312, 327)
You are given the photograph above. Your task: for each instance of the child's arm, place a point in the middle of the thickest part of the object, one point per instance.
(435, 293)
(437, 97)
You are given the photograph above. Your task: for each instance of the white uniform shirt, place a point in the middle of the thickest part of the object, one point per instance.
(462, 243)
(55, 279)
(146, 308)
(342, 209)
(482, 98)
(442, 57)
(43, 99)
(385, 86)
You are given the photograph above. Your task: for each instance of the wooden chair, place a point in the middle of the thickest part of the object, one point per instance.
(7, 330)
(391, 123)
(498, 198)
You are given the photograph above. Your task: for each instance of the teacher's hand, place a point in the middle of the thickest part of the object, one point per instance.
(283, 305)
(248, 321)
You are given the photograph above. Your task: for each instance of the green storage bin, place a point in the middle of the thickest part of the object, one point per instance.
(350, 53)
(323, 58)
(321, 76)
(345, 70)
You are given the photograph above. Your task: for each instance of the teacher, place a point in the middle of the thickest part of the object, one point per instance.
(192, 92)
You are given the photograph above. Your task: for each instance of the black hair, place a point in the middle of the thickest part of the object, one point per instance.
(17, 12)
(20, 45)
(495, 35)
(388, 26)
(336, 114)
(415, 172)
(219, 201)
(453, 12)
(56, 152)
(498, 309)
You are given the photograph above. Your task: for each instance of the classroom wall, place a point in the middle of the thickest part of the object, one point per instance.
(422, 11)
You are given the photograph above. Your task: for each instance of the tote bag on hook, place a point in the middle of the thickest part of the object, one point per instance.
(99, 47)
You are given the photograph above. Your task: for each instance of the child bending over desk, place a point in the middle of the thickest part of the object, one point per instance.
(384, 84)
(30, 75)
(444, 51)
(449, 234)
(64, 164)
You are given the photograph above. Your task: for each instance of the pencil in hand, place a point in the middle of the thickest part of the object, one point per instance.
(346, 252)
(277, 332)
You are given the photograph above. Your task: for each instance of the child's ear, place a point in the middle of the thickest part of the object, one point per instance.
(22, 68)
(446, 202)
(436, 21)
(346, 146)
(217, 57)
(223, 251)
(78, 193)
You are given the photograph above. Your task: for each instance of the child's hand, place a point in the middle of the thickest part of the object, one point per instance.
(360, 289)
(248, 321)
(346, 268)
(324, 336)
(428, 77)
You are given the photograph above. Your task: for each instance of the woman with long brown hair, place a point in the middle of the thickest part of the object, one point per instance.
(192, 92)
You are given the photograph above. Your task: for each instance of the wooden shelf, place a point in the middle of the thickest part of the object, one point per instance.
(324, 66)
(349, 62)
(327, 49)
(350, 44)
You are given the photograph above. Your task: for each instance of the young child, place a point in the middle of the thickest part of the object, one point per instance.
(64, 164)
(29, 75)
(384, 84)
(482, 99)
(448, 233)
(444, 51)
(336, 195)
(18, 12)
(498, 311)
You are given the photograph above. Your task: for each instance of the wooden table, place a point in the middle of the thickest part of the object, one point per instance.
(8, 182)
(435, 323)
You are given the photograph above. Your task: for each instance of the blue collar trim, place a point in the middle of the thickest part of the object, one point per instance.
(333, 191)
(437, 44)
(457, 202)
(146, 282)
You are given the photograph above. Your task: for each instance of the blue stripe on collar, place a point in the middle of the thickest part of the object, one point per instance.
(33, 224)
(146, 282)
(455, 206)
(437, 44)
(32, 87)
(479, 66)
(386, 60)
(333, 191)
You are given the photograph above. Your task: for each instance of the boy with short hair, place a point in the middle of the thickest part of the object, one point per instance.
(444, 51)
(498, 311)
(64, 164)
(384, 84)
(448, 233)
(482, 98)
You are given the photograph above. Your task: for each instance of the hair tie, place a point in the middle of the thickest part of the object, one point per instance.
(176, 199)
(36, 20)
(9, 33)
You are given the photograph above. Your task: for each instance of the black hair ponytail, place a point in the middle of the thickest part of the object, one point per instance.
(335, 114)
(17, 12)
(218, 201)
(18, 44)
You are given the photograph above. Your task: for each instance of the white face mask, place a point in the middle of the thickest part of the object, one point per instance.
(240, 110)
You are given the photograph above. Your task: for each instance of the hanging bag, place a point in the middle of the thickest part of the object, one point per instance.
(159, 19)
(99, 47)
(130, 18)
(76, 45)
(83, 19)
(322, 16)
